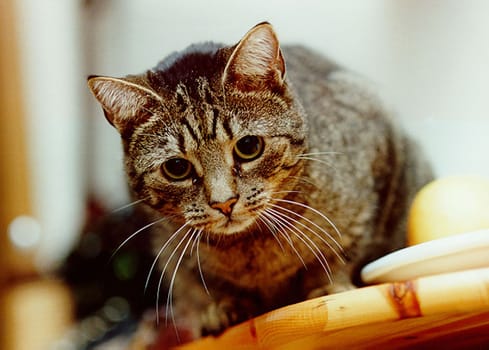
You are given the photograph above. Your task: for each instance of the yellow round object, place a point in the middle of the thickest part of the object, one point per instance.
(449, 206)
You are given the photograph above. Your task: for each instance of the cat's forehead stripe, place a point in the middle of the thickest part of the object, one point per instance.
(215, 116)
(207, 126)
(182, 99)
(227, 128)
(190, 129)
(181, 143)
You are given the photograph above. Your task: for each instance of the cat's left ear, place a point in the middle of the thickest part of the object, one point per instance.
(122, 100)
(257, 62)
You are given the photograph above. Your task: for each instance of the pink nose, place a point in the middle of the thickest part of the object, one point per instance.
(225, 207)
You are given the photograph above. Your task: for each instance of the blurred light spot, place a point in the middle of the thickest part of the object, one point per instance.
(93, 328)
(116, 309)
(99, 326)
(24, 232)
(125, 266)
(64, 344)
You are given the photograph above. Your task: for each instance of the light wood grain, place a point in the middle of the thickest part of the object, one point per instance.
(444, 309)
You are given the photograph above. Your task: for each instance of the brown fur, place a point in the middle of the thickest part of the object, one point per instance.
(333, 162)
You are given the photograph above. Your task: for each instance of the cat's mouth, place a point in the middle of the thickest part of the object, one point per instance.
(232, 225)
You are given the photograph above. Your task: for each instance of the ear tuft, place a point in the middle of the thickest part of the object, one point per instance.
(257, 62)
(121, 99)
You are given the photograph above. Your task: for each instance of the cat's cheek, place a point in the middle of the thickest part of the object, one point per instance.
(262, 168)
(166, 198)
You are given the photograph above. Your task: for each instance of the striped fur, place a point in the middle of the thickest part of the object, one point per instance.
(333, 164)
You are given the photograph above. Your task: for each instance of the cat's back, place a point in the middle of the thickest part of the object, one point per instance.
(363, 163)
(319, 80)
(343, 112)
(305, 65)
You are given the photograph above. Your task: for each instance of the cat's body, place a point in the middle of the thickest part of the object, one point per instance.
(259, 174)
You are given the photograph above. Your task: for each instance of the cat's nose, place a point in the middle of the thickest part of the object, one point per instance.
(225, 207)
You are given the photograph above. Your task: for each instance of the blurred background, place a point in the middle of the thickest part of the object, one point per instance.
(428, 58)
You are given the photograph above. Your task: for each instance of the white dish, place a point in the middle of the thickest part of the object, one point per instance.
(454, 253)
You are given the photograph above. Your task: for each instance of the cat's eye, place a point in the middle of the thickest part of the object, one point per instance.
(177, 168)
(248, 148)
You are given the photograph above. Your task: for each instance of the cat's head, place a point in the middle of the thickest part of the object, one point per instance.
(212, 133)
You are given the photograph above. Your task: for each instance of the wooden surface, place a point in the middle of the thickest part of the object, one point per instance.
(449, 310)
(34, 314)
(15, 196)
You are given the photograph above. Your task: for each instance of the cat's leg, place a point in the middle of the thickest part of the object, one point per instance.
(209, 311)
(317, 283)
(226, 312)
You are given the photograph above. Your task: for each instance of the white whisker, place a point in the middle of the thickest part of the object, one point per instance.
(286, 192)
(305, 180)
(283, 233)
(194, 244)
(169, 298)
(326, 233)
(312, 246)
(314, 156)
(201, 273)
(321, 153)
(129, 205)
(135, 234)
(317, 160)
(312, 209)
(167, 243)
(166, 266)
(272, 229)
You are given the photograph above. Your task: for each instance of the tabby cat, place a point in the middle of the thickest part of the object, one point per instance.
(270, 175)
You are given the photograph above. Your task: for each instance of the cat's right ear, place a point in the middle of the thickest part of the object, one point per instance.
(122, 100)
(257, 62)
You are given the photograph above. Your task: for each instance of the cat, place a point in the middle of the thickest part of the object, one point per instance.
(269, 175)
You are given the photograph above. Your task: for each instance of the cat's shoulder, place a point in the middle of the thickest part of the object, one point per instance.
(317, 77)
(301, 59)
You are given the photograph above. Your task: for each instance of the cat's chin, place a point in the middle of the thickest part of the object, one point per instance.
(233, 227)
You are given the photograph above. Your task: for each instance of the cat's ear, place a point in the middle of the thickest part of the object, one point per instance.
(122, 100)
(257, 62)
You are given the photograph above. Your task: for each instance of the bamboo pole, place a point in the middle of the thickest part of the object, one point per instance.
(446, 308)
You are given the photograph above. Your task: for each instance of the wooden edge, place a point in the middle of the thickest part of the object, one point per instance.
(452, 293)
